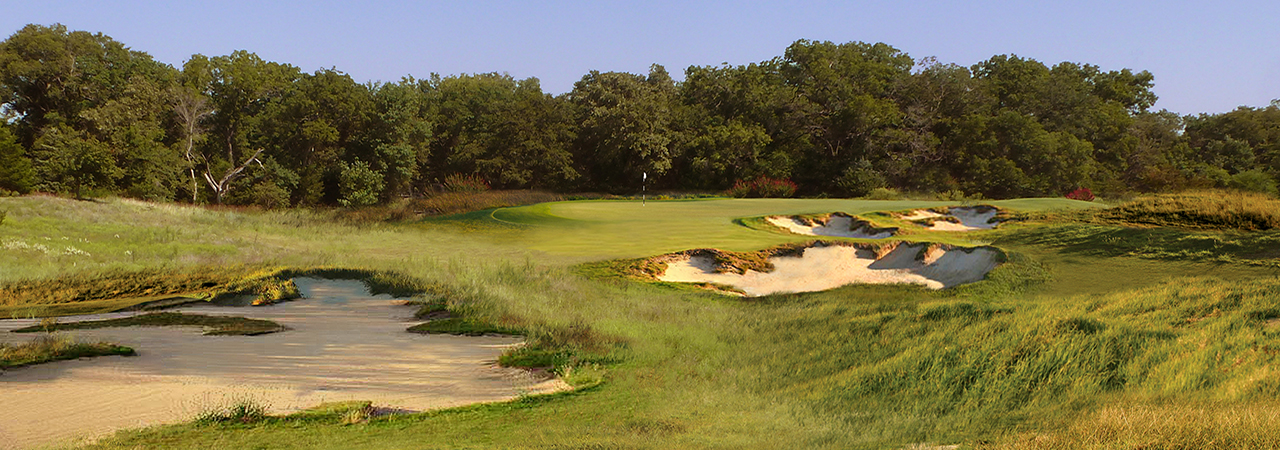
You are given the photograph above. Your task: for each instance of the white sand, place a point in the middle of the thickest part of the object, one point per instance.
(836, 225)
(921, 214)
(822, 268)
(970, 219)
(344, 345)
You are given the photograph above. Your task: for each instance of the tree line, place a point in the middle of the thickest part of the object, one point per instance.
(86, 114)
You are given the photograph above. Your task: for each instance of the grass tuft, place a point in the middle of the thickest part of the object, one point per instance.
(460, 326)
(55, 348)
(235, 410)
(214, 325)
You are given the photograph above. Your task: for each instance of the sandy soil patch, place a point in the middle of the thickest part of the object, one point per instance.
(825, 267)
(957, 218)
(834, 225)
(344, 345)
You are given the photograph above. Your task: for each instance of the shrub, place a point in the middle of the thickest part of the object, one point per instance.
(763, 187)
(884, 194)
(360, 185)
(861, 179)
(956, 195)
(465, 183)
(1082, 194)
(1253, 181)
(238, 410)
(264, 193)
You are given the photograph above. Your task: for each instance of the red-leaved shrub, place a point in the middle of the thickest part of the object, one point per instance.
(465, 183)
(1081, 194)
(763, 187)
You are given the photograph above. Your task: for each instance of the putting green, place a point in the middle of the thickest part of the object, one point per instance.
(618, 229)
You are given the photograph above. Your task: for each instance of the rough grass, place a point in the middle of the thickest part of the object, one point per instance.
(459, 326)
(214, 325)
(1072, 326)
(1213, 210)
(55, 348)
(155, 289)
(1162, 243)
(264, 284)
(444, 204)
(1193, 425)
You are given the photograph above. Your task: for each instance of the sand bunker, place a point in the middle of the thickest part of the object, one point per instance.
(957, 218)
(820, 268)
(836, 224)
(344, 345)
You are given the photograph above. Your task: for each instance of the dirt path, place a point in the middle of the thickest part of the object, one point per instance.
(344, 345)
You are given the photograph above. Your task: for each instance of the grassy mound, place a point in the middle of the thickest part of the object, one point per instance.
(1202, 210)
(47, 349)
(158, 289)
(116, 290)
(460, 327)
(214, 325)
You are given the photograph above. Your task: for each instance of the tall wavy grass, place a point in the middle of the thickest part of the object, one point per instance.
(1201, 209)
(55, 348)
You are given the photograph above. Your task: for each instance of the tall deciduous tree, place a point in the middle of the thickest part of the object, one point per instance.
(68, 161)
(16, 174)
(400, 136)
(242, 87)
(625, 126)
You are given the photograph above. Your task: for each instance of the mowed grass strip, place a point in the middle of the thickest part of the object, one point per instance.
(55, 348)
(214, 325)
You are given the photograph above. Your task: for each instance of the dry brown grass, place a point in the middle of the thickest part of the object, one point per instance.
(1200, 209)
(1166, 426)
(55, 348)
(210, 281)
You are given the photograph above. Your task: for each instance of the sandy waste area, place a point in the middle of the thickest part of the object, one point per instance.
(836, 225)
(970, 219)
(344, 345)
(822, 268)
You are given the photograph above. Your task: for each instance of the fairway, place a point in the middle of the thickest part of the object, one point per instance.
(628, 229)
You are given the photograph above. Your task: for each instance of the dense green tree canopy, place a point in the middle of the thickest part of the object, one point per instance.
(84, 114)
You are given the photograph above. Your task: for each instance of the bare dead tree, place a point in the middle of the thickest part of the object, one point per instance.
(191, 107)
(222, 186)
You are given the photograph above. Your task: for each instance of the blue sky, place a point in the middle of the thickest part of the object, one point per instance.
(1206, 56)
